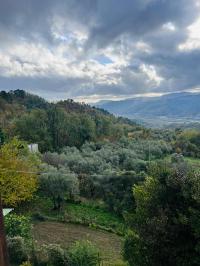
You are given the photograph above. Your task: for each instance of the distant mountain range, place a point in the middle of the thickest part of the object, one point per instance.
(170, 108)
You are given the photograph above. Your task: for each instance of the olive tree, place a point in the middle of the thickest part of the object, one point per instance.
(58, 184)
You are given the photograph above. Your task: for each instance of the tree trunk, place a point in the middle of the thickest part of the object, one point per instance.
(4, 261)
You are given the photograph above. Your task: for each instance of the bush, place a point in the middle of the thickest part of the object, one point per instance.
(40, 256)
(131, 250)
(18, 226)
(83, 254)
(115, 263)
(26, 263)
(177, 158)
(165, 223)
(17, 250)
(49, 255)
(56, 255)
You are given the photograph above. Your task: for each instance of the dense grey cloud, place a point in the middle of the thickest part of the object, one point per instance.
(99, 48)
(138, 17)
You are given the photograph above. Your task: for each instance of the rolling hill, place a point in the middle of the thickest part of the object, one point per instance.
(174, 107)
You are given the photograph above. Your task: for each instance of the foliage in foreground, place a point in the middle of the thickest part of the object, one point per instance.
(84, 254)
(17, 249)
(17, 172)
(165, 226)
(80, 254)
(18, 226)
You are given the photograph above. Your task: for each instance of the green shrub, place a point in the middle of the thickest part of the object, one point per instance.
(83, 254)
(165, 223)
(17, 250)
(26, 263)
(56, 255)
(18, 226)
(131, 250)
(115, 263)
(39, 255)
(49, 255)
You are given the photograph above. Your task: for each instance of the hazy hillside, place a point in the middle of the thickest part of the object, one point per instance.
(170, 108)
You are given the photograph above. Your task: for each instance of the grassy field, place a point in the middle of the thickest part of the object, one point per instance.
(109, 244)
(77, 221)
(195, 162)
(94, 217)
(77, 213)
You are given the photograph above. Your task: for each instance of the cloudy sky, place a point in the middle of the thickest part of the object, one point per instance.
(99, 49)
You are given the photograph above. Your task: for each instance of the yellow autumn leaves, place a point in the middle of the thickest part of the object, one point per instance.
(18, 172)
